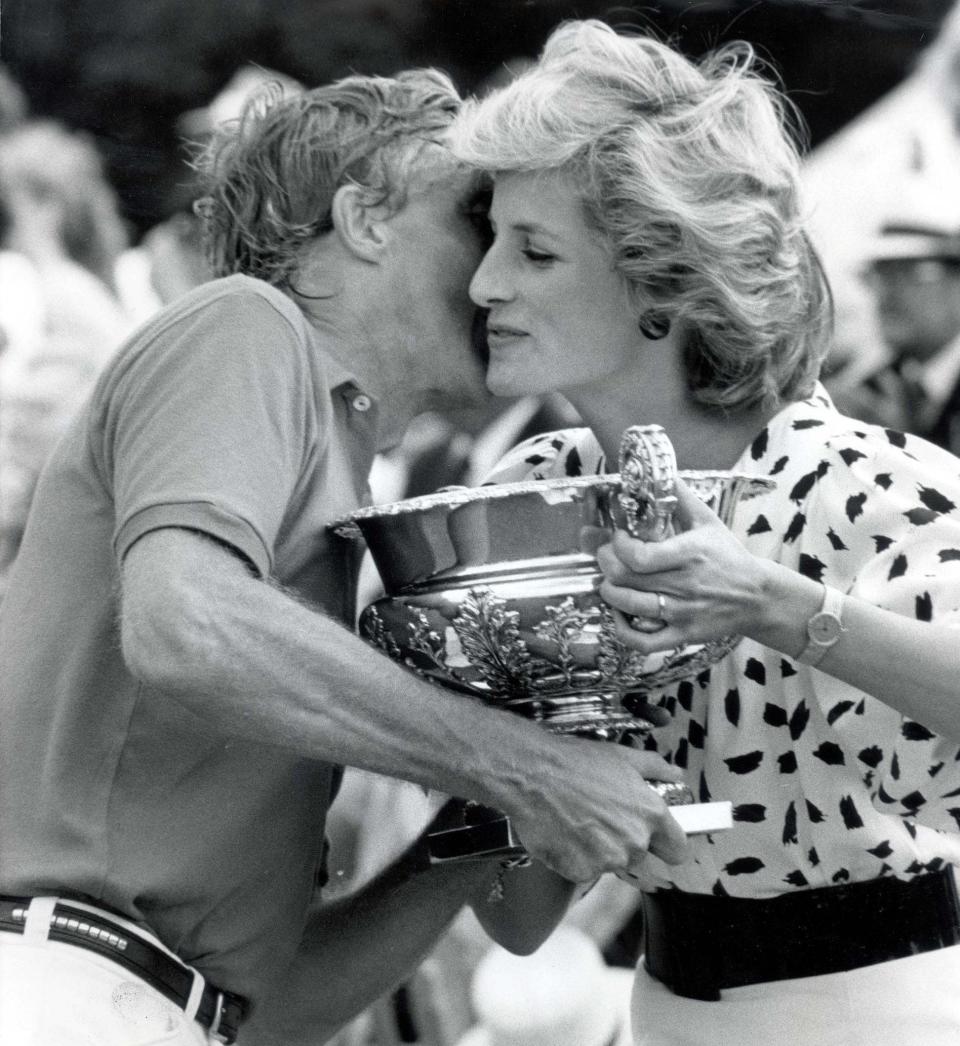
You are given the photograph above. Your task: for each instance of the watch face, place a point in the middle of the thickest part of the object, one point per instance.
(824, 628)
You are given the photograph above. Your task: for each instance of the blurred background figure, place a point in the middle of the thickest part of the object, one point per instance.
(914, 274)
(562, 995)
(907, 143)
(13, 102)
(62, 237)
(169, 260)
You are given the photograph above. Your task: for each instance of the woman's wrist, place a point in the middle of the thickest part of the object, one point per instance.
(787, 602)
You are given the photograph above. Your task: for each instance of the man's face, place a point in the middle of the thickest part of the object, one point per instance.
(437, 244)
(918, 304)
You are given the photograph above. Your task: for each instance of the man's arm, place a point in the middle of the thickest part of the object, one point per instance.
(360, 947)
(201, 629)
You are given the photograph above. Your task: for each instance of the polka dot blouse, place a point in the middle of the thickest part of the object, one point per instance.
(828, 784)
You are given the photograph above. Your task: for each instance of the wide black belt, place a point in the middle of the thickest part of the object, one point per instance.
(698, 944)
(219, 1012)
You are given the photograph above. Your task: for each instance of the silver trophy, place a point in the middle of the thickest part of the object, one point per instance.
(491, 592)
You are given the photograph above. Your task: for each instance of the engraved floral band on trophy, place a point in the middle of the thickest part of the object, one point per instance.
(490, 593)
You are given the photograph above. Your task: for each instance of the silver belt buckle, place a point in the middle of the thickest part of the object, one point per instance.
(214, 1029)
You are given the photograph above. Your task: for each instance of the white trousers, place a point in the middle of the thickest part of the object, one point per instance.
(55, 994)
(906, 1002)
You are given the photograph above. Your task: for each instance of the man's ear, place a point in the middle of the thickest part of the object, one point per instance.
(360, 227)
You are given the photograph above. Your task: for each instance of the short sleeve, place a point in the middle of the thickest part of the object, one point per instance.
(207, 424)
(565, 452)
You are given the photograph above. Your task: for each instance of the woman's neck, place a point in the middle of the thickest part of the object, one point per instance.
(702, 439)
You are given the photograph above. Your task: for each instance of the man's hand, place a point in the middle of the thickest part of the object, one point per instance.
(593, 812)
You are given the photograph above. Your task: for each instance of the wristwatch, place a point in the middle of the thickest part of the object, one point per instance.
(824, 628)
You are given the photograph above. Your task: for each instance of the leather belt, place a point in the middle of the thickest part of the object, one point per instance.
(221, 1013)
(698, 944)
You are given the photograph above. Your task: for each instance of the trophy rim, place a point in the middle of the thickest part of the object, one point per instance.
(455, 496)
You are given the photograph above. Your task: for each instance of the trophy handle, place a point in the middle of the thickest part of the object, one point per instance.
(648, 481)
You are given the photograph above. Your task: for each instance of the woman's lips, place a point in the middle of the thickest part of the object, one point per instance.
(498, 332)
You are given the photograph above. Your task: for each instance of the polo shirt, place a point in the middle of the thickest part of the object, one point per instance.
(227, 415)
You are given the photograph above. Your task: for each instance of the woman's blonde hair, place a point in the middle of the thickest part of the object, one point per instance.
(691, 173)
(269, 177)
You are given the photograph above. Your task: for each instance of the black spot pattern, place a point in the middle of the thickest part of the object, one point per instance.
(838, 710)
(811, 566)
(755, 671)
(814, 814)
(799, 720)
(849, 813)
(744, 764)
(761, 525)
(919, 517)
(831, 753)
(872, 756)
(898, 567)
(854, 507)
(744, 866)
(779, 465)
(805, 484)
(836, 542)
(935, 500)
(774, 715)
(790, 825)
(787, 763)
(914, 731)
(731, 706)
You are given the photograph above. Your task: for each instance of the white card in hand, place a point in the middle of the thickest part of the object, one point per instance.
(697, 818)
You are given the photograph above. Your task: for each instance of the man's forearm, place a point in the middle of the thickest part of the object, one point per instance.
(269, 669)
(359, 948)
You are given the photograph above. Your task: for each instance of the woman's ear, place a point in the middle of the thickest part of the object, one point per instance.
(360, 227)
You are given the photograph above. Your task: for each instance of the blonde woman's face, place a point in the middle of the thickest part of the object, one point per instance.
(559, 317)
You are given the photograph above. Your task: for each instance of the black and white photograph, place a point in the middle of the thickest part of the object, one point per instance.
(479, 522)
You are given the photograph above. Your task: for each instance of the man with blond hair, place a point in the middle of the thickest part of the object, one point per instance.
(180, 678)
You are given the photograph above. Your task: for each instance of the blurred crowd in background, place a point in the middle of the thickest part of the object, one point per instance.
(97, 232)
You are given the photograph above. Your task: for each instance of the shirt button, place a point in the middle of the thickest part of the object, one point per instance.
(362, 403)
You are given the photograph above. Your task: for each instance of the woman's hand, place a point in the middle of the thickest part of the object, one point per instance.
(696, 585)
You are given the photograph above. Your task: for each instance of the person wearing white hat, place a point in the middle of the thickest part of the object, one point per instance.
(915, 277)
(562, 995)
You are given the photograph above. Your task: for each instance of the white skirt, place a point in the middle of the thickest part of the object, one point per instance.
(905, 1002)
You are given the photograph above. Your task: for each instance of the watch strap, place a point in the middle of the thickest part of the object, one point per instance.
(824, 628)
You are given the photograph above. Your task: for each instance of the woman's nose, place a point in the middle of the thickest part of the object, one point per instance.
(488, 285)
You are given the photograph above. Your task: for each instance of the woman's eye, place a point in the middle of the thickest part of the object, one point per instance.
(537, 257)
